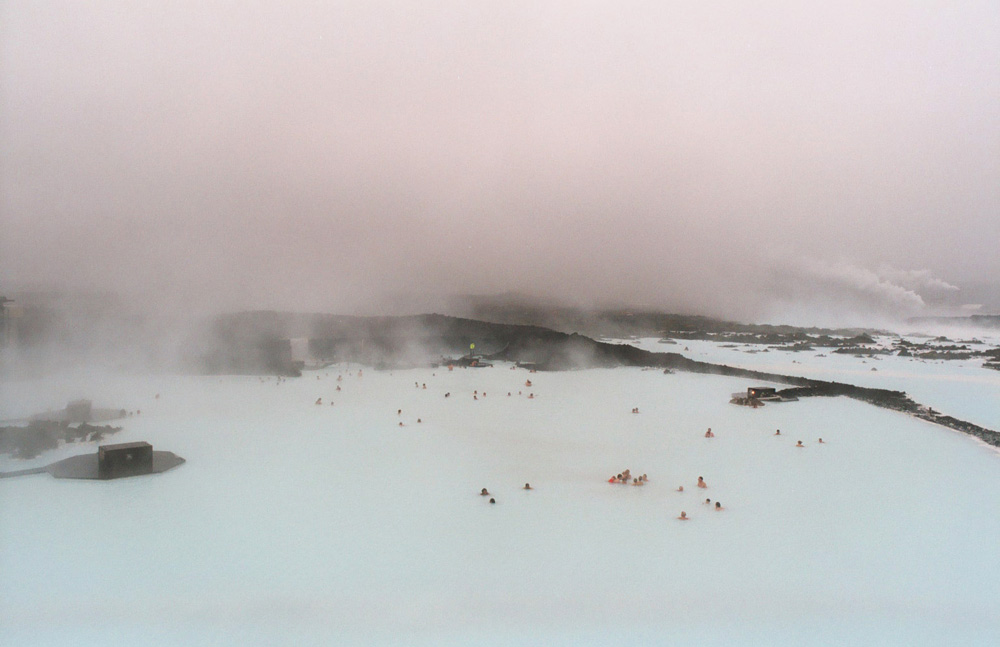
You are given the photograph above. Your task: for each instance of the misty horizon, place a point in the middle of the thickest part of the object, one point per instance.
(804, 165)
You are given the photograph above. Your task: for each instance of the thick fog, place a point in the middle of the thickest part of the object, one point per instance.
(752, 160)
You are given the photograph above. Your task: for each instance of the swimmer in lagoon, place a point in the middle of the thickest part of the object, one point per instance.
(484, 492)
(527, 486)
(684, 516)
(493, 500)
(820, 441)
(702, 483)
(718, 506)
(708, 502)
(777, 432)
(680, 488)
(799, 444)
(709, 434)
(319, 400)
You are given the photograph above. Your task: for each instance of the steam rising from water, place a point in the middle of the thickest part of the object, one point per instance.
(326, 157)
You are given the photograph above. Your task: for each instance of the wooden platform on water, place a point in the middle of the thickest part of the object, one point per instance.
(85, 467)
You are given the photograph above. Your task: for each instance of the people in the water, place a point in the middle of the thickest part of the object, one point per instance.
(319, 400)
(718, 507)
(702, 483)
(527, 486)
(626, 477)
(684, 516)
(777, 432)
(820, 441)
(709, 434)
(708, 502)
(799, 444)
(484, 492)
(492, 500)
(680, 488)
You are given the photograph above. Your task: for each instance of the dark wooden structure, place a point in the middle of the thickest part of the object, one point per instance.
(79, 411)
(124, 459)
(88, 466)
(762, 392)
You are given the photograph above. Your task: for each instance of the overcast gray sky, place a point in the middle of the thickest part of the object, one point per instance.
(749, 159)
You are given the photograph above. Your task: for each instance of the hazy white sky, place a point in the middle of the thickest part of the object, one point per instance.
(735, 158)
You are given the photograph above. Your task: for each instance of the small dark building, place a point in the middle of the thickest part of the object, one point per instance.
(124, 459)
(79, 411)
(761, 392)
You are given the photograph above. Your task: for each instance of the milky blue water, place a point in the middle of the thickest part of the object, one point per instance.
(294, 523)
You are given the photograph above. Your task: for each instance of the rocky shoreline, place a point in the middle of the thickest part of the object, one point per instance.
(390, 342)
